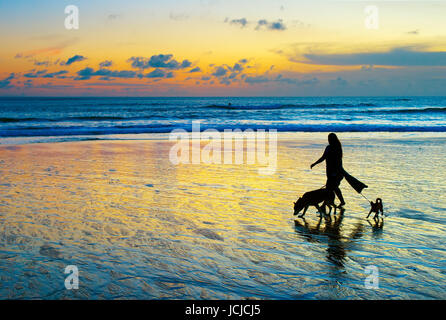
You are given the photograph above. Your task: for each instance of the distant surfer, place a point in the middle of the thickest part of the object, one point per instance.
(334, 169)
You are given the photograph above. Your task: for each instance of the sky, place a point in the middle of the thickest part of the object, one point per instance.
(223, 48)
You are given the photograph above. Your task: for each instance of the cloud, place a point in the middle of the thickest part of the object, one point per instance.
(157, 73)
(262, 24)
(158, 61)
(400, 57)
(49, 51)
(227, 74)
(6, 82)
(196, 69)
(242, 22)
(274, 26)
(105, 64)
(220, 71)
(36, 74)
(106, 74)
(58, 74)
(41, 63)
(73, 59)
(43, 74)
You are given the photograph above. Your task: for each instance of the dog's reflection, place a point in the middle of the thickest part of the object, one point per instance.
(330, 232)
(377, 227)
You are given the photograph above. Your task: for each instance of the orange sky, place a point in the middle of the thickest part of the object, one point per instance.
(236, 48)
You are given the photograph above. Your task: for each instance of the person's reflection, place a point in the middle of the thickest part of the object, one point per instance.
(338, 245)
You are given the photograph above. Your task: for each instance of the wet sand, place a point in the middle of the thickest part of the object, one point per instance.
(137, 226)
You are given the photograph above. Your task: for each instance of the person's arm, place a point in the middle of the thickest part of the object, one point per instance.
(320, 160)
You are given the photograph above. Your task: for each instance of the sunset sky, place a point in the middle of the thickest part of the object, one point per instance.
(222, 48)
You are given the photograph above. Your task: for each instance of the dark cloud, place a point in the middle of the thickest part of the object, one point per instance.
(242, 22)
(6, 82)
(186, 64)
(88, 73)
(196, 69)
(220, 71)
(262, 24)
(237, 67)
(274, 26)
(58, 74)
(36, 74)
(227, 74)
(73, 59)
(395, 57)
(164, 61)
(105, 64)
(43, 74)
(41, 63)
(157, 73)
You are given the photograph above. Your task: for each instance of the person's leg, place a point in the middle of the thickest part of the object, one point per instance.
(339, 195)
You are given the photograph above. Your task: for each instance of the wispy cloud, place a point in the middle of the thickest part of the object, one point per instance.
(105, 64)
(73, 59)
(105, 74)
(242, 22)
(44, 74)
(6, 82)
(261, 24)
(404, 56)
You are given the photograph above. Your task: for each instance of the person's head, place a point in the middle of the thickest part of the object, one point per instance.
(334, 142)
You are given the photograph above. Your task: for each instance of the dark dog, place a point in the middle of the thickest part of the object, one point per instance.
(313, 198)
(376, 207)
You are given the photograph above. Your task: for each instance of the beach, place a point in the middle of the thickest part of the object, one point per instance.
(139, 227)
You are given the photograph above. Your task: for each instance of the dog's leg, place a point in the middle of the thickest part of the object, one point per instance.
(319, 209)
(303, 213)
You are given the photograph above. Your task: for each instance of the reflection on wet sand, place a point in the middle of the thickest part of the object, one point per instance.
(138, 226)
(330, 232)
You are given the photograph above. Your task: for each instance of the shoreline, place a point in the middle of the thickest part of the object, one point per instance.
(282, 135)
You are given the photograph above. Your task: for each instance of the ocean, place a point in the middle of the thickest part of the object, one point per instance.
(30, 119)
(110, 202)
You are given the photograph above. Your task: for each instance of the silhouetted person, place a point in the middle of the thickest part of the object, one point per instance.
(333, 161)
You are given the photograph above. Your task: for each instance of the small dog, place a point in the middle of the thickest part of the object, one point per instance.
(313, 198)
(376, 207)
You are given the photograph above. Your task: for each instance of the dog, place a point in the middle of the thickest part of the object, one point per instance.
(376, 207)
(313, 198)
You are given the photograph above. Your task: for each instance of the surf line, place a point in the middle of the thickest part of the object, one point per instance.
(228, 147)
